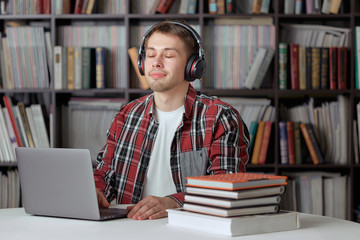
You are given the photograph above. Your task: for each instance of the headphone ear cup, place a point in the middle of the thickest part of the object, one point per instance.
(141, 66)
(195, 68)
(188, 68)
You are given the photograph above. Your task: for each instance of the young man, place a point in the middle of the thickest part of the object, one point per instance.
(156, 141)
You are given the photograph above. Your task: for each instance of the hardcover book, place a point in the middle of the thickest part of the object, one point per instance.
(239, 194)
(234, 226)
(232, 203)
(234, 181)
(231, 212)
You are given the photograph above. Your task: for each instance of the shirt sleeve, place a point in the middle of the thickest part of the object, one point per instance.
(229, 148)
(104, 173)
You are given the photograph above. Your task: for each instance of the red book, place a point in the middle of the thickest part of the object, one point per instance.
(235, 181)
(333, 67)
(39, 7)
(8, 106)
(164, 6)
(342, 67)
(290, 141)
(46, 6)
(265, 142)
(78, 6)
(294, 65)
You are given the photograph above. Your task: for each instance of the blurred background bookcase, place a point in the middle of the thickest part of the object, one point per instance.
(130, 19)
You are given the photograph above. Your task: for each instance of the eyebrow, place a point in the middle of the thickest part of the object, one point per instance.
(165, 49)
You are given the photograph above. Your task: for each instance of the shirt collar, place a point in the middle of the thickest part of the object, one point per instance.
(189, 102)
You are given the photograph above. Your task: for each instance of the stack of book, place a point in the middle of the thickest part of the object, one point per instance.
(234, 204)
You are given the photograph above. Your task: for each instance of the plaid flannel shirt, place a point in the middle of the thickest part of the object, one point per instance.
(211, 139)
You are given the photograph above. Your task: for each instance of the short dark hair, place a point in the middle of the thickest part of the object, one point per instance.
(177, 30)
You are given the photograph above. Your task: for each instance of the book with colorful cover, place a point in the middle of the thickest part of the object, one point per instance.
(235, 181)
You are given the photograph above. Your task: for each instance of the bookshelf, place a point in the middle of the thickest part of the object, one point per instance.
(129, 90)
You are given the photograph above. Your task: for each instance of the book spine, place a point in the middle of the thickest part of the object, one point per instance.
(297, 143)
(308, 52)
(164, 6)
(212, 6)
(78, 6)
(265, 142)
(283, 65)
(58, 67)
(335, 6)
(324, 82)
(290, 141)
(315, 68)
(90, 7)
(294, 65)
(309, 143)
(264, 68)
(229, 6)
(133, 54)
(70, 68)
(220, 6)
(46, 6)
(333, 68)
(100, 67)
(252, 131)
(284, 157)
(257, 144)
(191, 7)
(302, 68)
(342, 67)
(8, 106)
(256, 6)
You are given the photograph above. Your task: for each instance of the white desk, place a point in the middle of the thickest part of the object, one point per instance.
(16, 224)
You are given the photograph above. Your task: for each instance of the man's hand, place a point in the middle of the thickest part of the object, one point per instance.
(151, 207)
(102, 202)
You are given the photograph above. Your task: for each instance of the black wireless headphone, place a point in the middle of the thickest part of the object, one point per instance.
(196, 64)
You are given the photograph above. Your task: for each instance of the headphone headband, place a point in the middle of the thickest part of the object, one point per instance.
(195, 67)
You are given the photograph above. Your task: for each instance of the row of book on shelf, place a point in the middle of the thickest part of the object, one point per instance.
(86, 121)
(21, 126)
(89, 6)
(234, 204)
(233, 47)
(303, 67)
(25, 57)
(313, 57)
(113, 52)
(79, 67)
(25, 7)
(312, 6)
(9, 189)
(307, 133)
(320, 193)
(328, 129)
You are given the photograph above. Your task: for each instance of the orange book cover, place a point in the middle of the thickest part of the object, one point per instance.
(316, 158)
(257, 143)
(236, 181)
(265, 142)
(133, 54)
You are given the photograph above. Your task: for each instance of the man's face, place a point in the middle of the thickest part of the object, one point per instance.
(165, 62)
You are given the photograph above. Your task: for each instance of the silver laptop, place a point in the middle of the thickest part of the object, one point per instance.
(59, 182)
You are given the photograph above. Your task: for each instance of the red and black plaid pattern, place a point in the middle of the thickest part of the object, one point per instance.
(207, 123)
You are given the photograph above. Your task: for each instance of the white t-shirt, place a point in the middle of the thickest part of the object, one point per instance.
(159, 181)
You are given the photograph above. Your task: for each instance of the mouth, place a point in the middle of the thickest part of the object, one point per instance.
(157, 75)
